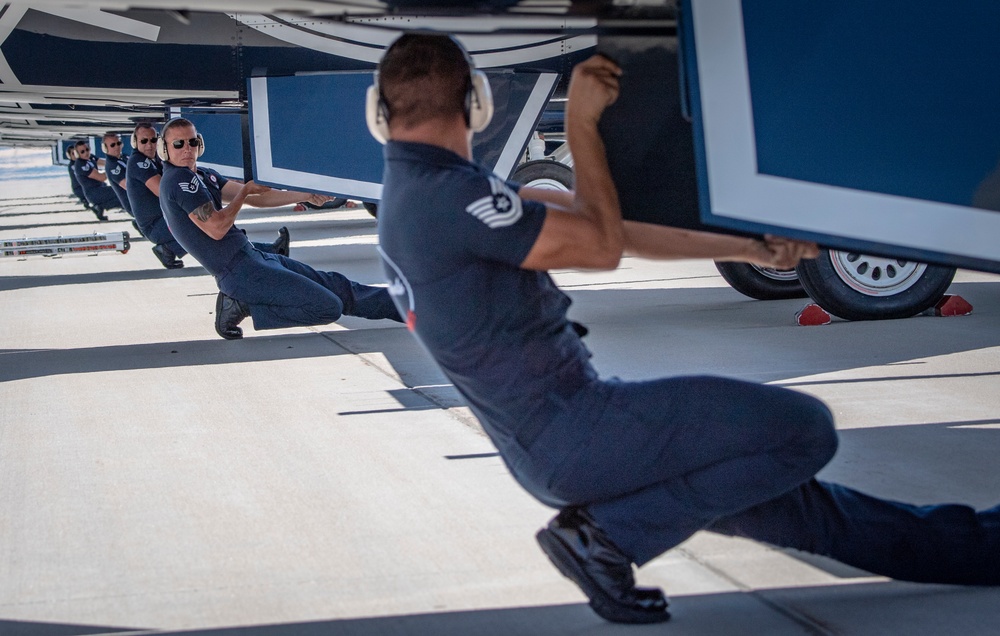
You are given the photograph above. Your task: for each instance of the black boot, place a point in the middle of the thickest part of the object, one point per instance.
(229, 313)
(583, 553)
(168, 258)
(282, 245)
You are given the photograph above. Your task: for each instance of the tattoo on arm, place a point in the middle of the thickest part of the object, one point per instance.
(204, 212)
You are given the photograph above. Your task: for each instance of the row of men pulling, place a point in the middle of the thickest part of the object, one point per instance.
(183, 209)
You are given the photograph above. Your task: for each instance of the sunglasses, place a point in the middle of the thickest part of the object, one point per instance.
(179, 143)
(83, 151)
(114, 144)
(151, 140)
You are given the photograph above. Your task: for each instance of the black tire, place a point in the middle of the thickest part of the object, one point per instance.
(762, 283)
(371, 207)
(544, 173)
(861, 287)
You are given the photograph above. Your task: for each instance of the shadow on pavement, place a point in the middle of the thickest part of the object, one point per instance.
(12, 283)
(862, 608)
(30, 628)
(20, 364)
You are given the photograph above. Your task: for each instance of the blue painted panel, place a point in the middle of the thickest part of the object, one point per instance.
(223, 135)
(317, 124)
(95, 148)
(897, 98)
(865, 126)
(309, 131)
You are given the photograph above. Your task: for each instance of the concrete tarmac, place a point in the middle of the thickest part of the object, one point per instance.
(156, 479)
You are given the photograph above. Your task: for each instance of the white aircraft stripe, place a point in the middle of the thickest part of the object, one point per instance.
(98, 18)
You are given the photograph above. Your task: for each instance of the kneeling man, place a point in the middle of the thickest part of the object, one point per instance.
(275, 290)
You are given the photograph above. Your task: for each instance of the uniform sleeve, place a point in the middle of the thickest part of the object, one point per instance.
(189, 194)
(496, 224)
(145, 169)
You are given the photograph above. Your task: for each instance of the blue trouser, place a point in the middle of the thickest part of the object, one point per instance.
(77, 188)
(102, 197)
(122, 198)
(282, 292)
(656, 461)
(158, 233)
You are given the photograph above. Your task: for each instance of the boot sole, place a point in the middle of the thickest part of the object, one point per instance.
(602, 604)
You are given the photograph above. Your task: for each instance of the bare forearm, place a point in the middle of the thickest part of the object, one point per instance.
(596, 198)
(663, 243)
(276, 198)
(216, 223)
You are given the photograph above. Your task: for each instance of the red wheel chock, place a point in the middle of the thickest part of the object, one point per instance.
(812, 315)
(950, 305)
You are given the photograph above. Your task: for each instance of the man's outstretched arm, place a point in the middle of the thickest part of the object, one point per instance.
(666, 243)
(272, 198)
(215, 222)
(663, 243)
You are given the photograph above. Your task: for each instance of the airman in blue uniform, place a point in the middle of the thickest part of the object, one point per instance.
(102, 198)
(635, 468)
(145, 170)
(201, 207)
(115, 166)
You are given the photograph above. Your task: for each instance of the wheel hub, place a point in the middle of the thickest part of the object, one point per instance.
(776, 274)
(874, 275)
(547, 184)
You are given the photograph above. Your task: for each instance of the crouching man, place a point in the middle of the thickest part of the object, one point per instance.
(634, 468)
(275, 290)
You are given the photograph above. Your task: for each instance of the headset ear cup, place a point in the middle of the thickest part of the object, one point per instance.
(201, 148)
(480, 102)
(161, 149)
(135, 142)
(104, 147)
(375, 115)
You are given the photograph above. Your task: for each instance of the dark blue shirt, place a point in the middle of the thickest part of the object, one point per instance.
(115, 168)
(83, 170)
(453, 235)
(181, 193)
(145, 204)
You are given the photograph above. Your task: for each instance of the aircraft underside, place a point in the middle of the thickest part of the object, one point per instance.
(827, 146)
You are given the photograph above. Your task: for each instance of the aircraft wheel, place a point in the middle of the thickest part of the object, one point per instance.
(371, 207)
(546, 174)
(762, 283)
(862, 287)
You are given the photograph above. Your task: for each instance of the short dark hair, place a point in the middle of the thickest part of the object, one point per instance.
(110, 134)
(176, 122)
(81, 143)
(142, 125)
(424, 76)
